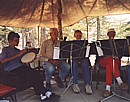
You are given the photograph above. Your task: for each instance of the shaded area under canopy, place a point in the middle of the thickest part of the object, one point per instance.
(31, 13)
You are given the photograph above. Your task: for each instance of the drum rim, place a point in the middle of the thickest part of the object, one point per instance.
(24, 57)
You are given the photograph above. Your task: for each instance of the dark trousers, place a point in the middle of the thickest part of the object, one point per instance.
(31, 76)
(128, 72)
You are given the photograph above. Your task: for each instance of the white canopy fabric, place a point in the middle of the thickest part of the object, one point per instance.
(31, 13)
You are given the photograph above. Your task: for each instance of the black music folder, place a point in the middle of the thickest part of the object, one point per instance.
(74, 49)
(120, 44)
(128, 43)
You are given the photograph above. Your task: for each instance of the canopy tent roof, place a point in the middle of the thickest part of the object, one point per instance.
(31, 13)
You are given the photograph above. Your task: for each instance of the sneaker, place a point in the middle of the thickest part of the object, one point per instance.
(76, 88)
(88, 89)
(123, 86)
(53, 98)
(106, 93)
(59, 82)
(48, 86)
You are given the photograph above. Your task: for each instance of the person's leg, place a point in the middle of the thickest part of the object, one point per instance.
(31, 76)
(114, 65)
(86, 71)
(115, 69)
(86, 75)
(75, 76)
(35, 79)
(65, 67)
(107, 63)
(75, 71)
(49, 71)
(109, 71)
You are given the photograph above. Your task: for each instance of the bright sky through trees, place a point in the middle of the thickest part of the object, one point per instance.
(125, 17)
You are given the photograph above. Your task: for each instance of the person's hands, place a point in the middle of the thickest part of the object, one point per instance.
(54, 62)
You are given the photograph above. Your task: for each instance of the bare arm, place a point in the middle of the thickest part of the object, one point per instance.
(13, 57)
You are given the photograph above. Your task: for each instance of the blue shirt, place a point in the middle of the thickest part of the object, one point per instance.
(9, 52)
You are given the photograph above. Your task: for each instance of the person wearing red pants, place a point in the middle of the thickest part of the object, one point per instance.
(112, 68)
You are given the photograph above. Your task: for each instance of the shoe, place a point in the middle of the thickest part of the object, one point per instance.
(48, 86)
(59, 82)
(88, 89)
(75, 88)
(106, 93)
(123, 86)
(53, 98)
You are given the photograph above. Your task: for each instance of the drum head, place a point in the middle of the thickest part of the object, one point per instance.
(28, 57)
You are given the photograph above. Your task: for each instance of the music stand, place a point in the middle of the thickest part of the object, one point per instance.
(128, 47)
(72, 50)
(111, 50)
(121, 45)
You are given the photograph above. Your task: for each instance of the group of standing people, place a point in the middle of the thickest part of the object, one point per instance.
(10, 58)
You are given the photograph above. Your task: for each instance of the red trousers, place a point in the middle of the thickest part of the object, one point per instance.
(111, 69)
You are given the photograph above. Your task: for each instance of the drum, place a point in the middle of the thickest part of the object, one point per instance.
(28, 57)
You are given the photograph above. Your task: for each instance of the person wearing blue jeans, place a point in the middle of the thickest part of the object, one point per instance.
(85, 67)
(86, 72)
(50, 64)
(50, 70)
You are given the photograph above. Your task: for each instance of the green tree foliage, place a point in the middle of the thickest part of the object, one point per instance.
(121, 25)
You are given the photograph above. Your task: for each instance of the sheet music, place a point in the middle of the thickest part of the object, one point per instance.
(87, 51)
(99, 50)
(98, 47)
(56, 53)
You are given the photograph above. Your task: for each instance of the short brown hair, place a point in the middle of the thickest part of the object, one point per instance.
(77, 31)
(13, 35)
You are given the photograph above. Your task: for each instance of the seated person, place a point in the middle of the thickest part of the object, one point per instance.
(107, 62)
(11, 60)
(85, 67)
(28, 44)
(50, 64)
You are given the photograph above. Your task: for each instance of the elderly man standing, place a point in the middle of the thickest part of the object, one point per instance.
(51, 64)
